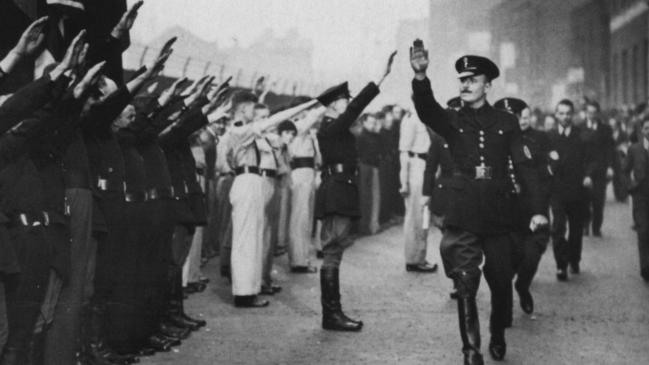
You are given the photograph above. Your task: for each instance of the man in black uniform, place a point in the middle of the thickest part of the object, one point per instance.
(572, 172)
(600, 152)
(529, 245)
(337, 201)
(479, 218)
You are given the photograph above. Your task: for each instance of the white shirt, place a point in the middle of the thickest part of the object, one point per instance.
(413, 136)
(566, 129)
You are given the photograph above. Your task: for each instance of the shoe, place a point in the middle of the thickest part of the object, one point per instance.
(304, 269)
(453, 295)
(469, 331)
(199, 322)
(319, 254)
(180, 322)
(497, 346)
(526, 300)
(562, 275)
(198, 287)
(172, 341)
(249, 301)
(226, 272)
(333, 318)
(574, 268)
(170, 330)
(270, 289)
(645, 274)
(189, 290)
(158, 343)
(423, 268)
(95, 349)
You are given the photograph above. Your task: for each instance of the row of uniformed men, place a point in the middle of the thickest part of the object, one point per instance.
(99, 200)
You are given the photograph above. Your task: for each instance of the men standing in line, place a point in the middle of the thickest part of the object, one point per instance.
(529, 245)
(479, 220)
(337, 196)
(414, 143)
(247, 198)
(572, 176)
(637, 164)
(304, 159)
(600, 153)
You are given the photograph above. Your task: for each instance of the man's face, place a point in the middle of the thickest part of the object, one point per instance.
(340, 105)
(260, 114)
(474, 88)
(525, 120)
(397, 111)
(549, 123)
(369, 124)
(125, 118)
(645, 129)
(591, 112)
(287, 137)
(247, 112)
(564, 115)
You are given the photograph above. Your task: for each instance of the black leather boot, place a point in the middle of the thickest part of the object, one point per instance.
(469, 330)
(333, 317)
(497, 345)
(95, 349)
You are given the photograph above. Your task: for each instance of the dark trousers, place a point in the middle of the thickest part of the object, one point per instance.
(641, 220)
(596, 199)
(223, 222)
(335, 239)
(567, 250)
(62, 341)
(369, 188)
(25, 291)
(462, 253)
(528, 250)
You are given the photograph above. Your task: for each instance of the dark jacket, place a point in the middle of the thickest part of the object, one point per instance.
(600, 149)
(338, 193)
(477, 137)
(570, 166)
(637, 162)
(436, 184)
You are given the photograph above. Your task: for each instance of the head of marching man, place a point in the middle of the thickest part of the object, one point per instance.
(243, 106)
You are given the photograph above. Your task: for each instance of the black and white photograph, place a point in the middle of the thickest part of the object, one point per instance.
(180, 181)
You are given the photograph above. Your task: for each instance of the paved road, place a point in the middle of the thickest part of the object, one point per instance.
(598, 317)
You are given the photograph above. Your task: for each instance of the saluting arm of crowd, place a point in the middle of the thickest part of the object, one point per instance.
(273, 120)
(28, 44)
(354, 110)
(430, 112)
(305, 124)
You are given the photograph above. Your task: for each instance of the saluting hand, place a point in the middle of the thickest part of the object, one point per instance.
(388, 68)
(173, 90)
(419, 59)
(89, 80)
(31, 39)
(74, 56)
(126, 22)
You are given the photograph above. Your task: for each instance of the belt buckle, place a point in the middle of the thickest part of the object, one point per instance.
(46, 219)
(23, 219)
(339, 168)
(102, 184)
(483, 172)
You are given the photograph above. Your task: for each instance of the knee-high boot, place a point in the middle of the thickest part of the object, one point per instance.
(333, 317)
(469, 330)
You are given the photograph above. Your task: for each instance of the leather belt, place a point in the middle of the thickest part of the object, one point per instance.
(156, 194)
(299, 162)
(479, 173)
(135, 197)
(268, 173)
(423, 156)
(339, 169)
(31, 220)
(246, 170)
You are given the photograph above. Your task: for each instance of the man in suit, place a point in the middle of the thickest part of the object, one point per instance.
(529, 245)
(637, 164)
(337, 200)
(600, 153)
(479, 218)
(572, 177)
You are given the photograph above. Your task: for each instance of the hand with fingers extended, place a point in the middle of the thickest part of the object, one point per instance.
(201, 90)
(74, 57)
(221, 110)
(388, 68)
(419, 58)
(173, 91)
(28, 45)
(89, 80)
(126, 22)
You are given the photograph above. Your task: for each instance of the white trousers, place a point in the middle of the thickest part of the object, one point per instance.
(300, 240)
(247, 199)
(414, 235)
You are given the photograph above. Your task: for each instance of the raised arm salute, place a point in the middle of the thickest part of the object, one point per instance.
(479, 219)
(337, 200)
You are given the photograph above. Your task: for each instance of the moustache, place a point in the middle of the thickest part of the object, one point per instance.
(465, 91)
